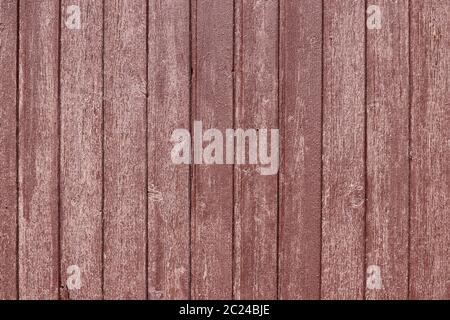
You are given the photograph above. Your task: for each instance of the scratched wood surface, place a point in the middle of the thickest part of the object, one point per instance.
(357, 210)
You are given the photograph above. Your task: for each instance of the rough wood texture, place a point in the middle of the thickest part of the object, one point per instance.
(343, 151)
(86, 177)
(125, 199)
(430, 158)
(256, 106)
(81, 148)
(388, 151)
(301, 132)
(168, 107)
(38, 150)
(8, 150)
(212, 186)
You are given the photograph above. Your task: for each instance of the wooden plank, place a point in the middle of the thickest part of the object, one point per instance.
(212, 185)
(8, 150)
(430, 171)
(301, 125)
(169, 106)
(256, 107)
(125, 174)
(388, 153)
(81, 147)
(343, 151)
(38, 150)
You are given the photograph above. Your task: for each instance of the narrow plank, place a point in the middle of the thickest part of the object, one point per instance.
(212, 185)
(169, 109)
(430, 171)
(38, 150)
(125, 165)
(388, 153)
(343, 220)
(301, 124)
(8, 150)
(256, 107)
(81, 148)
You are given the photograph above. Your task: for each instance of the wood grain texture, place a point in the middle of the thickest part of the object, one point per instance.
(212, 186)
(430, 170)
(388, 150)
(256, 107)
(125, 198)
(81, 148)
(301, 125)
(343, 150)
(38, 150)
(87, 179)
(8, 150)
(169, 109)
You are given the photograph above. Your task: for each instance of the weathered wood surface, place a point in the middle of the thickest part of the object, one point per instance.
(168, 109)
(343, 196)
(212, 186)
(256, 106)
(125, 150)
(8, 149)
(301, 132)
(86, 178)
(430, 150)
(388, 152)
(38, 163)
(81, 148)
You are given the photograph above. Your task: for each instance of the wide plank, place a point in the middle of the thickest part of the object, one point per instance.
(125, 150)
(81, 148)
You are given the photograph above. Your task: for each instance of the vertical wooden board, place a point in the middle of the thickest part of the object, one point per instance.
(430, 170)
(256, 107)
(343, 215)
(388, 153)
(38, 150)
(168, 109)
(125, 198)
(212, 185)
(8, 150)
(81, 147)
(301, 125)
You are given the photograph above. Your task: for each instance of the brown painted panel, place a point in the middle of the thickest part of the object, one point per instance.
(81, 147)
(388, 153)
(38, 150)
(125, 174)
(212, 186)
(168, 109)
(256, 107)
(8, 150)
(301, 128)
(343, 213)
(430, 158)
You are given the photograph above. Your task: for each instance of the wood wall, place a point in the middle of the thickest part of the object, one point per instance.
(86, 180)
